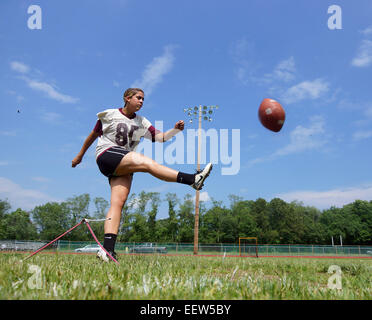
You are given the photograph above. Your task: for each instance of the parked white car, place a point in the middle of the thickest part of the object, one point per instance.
(89, 248)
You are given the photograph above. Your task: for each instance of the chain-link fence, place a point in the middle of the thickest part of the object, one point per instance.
(223, 249)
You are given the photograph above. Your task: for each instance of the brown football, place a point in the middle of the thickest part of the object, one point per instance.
(271, 115)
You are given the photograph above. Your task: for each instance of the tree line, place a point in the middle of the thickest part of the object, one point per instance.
(274, 222)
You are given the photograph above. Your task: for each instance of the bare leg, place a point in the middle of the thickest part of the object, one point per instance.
(136, 162)
(120, 188)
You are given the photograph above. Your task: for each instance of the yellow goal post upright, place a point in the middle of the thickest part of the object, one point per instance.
(250, 250)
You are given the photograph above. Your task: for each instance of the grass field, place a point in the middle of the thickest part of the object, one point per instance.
(83, 277)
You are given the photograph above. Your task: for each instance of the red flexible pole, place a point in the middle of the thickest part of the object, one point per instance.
(95, 238)
(47, 245)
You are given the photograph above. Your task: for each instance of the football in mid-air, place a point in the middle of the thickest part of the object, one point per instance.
(271, 115)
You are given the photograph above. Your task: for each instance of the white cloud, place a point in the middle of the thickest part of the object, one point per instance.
(155, 70)
(284, 71)
(363, 109)
(19, 97)
(348, 105)
(302, 139)
(368, 111)
(305, 138)
(247, 67)
(203, 197)
(20, 197)
(367, 31)
(19, 67)
(44, 87)
(242, 52)
(326, 199)
(364, 55)
(305, 90)
(360, 135)
(49, 90)
(51, 117)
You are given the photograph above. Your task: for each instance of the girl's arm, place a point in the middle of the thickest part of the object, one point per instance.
(165, 136)
(87, 143)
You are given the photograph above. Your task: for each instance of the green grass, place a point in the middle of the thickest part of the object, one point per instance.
(63, 276)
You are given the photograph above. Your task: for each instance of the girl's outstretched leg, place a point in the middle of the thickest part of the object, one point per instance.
(136, 162)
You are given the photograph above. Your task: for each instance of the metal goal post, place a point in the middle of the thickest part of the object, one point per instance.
(248, 248)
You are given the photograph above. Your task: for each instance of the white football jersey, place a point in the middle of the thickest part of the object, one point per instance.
(119, 130)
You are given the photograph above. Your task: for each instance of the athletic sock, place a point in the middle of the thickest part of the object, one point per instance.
(109, 241)
(185, 178)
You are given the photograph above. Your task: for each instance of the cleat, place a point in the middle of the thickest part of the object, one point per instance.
(102, 255)
(201, 176)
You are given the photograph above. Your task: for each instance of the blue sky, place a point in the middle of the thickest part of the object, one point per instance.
(187, 53)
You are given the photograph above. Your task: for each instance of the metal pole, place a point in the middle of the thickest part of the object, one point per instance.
(196, 228)
(192, 112)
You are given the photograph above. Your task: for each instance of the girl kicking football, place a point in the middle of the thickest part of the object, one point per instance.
(119, 132)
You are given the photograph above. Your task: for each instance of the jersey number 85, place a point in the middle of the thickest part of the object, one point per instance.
(124, 136)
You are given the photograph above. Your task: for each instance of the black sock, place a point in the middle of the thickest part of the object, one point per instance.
(185, 178)
(109, 241)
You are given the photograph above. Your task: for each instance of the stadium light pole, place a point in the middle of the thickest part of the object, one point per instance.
(200, 113)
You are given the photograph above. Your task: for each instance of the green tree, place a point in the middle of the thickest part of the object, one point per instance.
(151, 216)
(352, 222)
(78, 207)
(362, 210)
(260, 213)
(19, 226)
(172, 221)
(161, 231)
(51, 219)
(283, 220)
(4, 207)
(139, 220)
(213, 226)
(139, 228)
(243, 219)
(186, 220)
(313, 231)
(4, 210)
(101, 208)
(126, 229)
